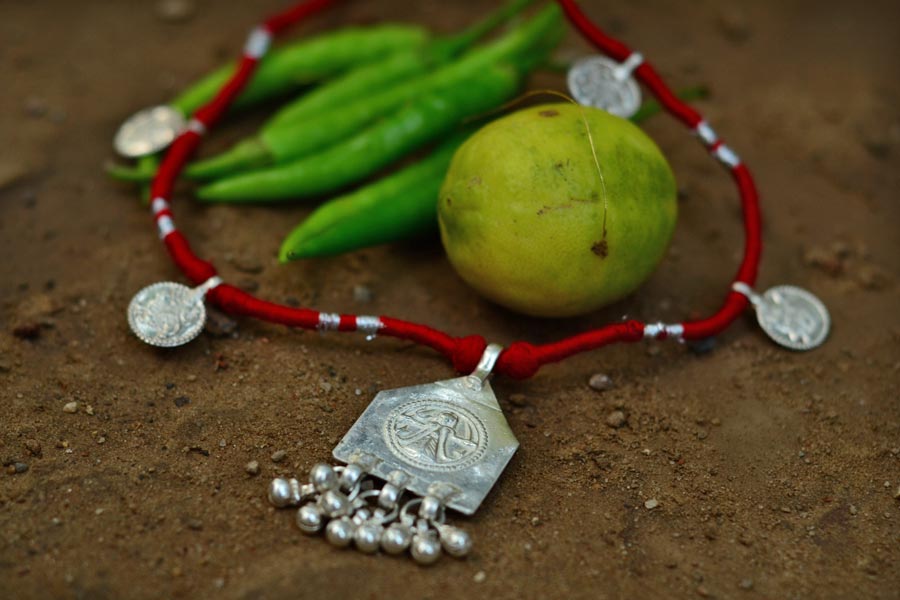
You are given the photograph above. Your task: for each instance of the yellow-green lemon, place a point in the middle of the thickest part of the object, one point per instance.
(557, 210)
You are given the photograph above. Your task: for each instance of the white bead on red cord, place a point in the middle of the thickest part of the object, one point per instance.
(196, 126)
(722, 152)
(166, 226)
(159, 205)
(258, 43)
(706, 134)
(727, 156)
(329, 322)
(368, 325)
(653, 331)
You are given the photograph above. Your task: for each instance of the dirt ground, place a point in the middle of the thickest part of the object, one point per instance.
(776, 474)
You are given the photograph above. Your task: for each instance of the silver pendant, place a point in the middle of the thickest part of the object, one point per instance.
(445, 444)
(791, 316)
(167, 315)
(603, 83)
(148, 131)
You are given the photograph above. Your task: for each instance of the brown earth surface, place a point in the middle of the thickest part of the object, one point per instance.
(776, 474)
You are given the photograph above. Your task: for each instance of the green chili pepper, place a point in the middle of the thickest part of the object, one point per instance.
(425, 119)
(305, 62)
(402, 66)
(299, 139)
(399, 206)
(389, 209)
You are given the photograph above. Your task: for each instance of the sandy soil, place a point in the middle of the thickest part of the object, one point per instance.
(776, 474)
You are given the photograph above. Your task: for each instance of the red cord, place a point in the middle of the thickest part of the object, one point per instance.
(521, 359)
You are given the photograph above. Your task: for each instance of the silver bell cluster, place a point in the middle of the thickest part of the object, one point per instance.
(346, 504)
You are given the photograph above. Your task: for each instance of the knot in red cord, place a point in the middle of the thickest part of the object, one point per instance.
(467, 353)
(519, 361)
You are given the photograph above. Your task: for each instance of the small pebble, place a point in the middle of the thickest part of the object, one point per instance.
(601, 382)
(35, 107)
(733, 24)
(616, 419)
(702, 347)
(222, 443)
(34, 447)
(746, 584)
(18, 468)
(195, 524)
(182, 401)
(479, 577)
(853, 510)
(897, 493)
(252, 467)
(174, 11)
(362, 294)
(218, 324)
(10, 173)
(70, 407)
(27, 331)
(89, 410)
(278, 456)
(651, 503)
(520, 400)
(872, 278)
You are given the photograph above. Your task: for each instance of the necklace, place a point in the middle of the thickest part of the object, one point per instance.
(444, 443)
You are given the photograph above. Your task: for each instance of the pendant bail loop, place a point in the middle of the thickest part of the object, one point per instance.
(211, 283)
(485, 366)
(742, 288)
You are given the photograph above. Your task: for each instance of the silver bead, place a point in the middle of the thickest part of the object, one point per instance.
(430, 508)
(340, 532)
(323, 477)
(389, 495)
(310, 519)
(334, 504)
(456, 542)
(396, 538)
(351, 476)
(425, 549)
(280, 493)
(368, 537)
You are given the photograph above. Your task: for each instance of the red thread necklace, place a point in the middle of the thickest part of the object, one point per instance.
(461, 415)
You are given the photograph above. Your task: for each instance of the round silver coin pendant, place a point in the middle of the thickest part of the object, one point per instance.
(597, 81)
(149, 131)
(167, 315)
(793, 317)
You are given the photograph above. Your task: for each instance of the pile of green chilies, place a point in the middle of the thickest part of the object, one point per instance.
(384, 92)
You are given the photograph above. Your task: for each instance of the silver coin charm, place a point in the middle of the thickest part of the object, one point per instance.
(603, 83)
(168, 315)
(149, 131)
(793, 317)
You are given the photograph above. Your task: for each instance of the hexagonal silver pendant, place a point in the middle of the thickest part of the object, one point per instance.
(449, 438)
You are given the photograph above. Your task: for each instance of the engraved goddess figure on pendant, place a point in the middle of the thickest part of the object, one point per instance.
(431, 434)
